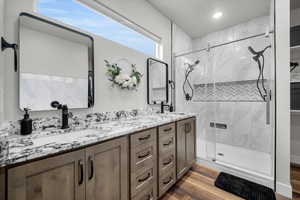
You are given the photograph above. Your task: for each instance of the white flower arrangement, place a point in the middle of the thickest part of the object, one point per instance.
(124, 81)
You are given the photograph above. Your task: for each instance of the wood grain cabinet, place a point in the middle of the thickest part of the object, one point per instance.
(107, 170)
(143, 164)
(186, 144)
(166, 157)
(95, 173)
(59, 178)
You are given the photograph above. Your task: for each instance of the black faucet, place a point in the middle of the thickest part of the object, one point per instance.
(162, 107)
(65, 113)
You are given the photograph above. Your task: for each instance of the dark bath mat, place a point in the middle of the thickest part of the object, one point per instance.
(243, 188)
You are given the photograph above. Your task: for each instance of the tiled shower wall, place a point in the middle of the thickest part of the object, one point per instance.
(233, 99)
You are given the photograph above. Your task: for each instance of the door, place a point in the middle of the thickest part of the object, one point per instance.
(186, 152)
(59, 178)
(107, 170)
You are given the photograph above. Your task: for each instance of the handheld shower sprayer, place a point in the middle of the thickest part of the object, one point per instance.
(261, 65)
(188, 71)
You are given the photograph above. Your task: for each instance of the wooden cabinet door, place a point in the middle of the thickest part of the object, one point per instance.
(107, 170)
(190, 142)
(181, 149)
(186, 153)
(60, 178)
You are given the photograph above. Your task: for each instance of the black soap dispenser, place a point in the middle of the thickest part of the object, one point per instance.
(26, 123)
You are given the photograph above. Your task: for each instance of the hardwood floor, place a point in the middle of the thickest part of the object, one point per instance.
(198, 184)
(295, 179)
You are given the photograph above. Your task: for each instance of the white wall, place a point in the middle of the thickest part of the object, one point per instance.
(1, 59)
(106, 98)
(282, 14)
(255, 26)
(182, 42)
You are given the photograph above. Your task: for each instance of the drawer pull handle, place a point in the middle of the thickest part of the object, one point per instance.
(91, 173)
(170, 142)
(168, 181)
(169, 161)
(80, 172)
(144, 155)
(144, 179)
(145, 138)
(168, 129)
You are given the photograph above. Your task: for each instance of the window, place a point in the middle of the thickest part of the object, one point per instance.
(73, 13)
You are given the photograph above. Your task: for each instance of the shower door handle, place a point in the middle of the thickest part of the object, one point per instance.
(268, 108)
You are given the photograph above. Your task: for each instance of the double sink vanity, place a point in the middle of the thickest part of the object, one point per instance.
(109, 156)
(131, 156)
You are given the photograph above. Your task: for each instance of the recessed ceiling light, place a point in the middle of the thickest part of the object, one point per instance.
(218, 15)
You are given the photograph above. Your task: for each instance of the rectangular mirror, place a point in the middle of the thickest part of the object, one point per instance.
(157, 81)
(56, 64)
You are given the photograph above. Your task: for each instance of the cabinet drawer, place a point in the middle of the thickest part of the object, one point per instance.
(166, 130)
(142, 181)
(147, 194)
(143, 157)
(143, 137)
(167, 143)
(167, 163)
(166, 181)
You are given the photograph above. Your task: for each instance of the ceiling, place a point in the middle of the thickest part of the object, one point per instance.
(295, 4)
(195, 16)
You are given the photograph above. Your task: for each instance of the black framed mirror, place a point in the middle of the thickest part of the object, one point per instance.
(157, 81)
(48, 71)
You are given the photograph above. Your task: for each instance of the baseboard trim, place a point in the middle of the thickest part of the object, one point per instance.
(284, 189)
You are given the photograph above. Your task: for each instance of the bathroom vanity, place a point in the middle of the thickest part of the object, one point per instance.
(137, 158)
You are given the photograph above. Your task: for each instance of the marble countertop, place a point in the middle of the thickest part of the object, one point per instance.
(43, 143)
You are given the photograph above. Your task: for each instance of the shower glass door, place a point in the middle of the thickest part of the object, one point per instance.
(232, 88)
(201, 80)
(242, 122)
(235, 124)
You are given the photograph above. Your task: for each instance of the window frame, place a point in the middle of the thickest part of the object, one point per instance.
(102, 9)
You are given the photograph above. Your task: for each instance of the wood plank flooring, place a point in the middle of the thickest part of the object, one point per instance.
(198, 184)
(295, 180)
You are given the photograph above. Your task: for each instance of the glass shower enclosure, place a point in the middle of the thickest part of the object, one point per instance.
(230, 88)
